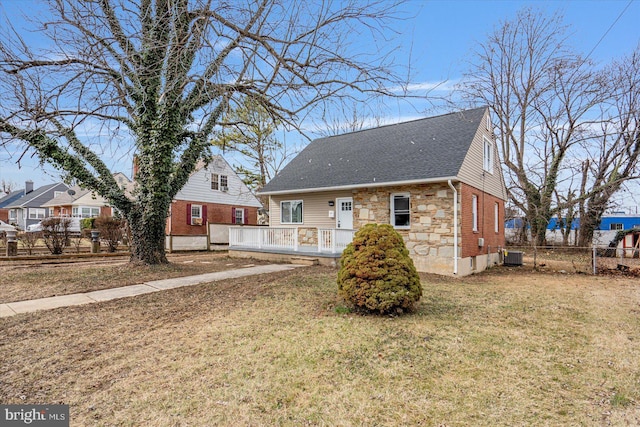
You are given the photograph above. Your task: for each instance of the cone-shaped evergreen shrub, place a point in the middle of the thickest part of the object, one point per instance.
(376, 272)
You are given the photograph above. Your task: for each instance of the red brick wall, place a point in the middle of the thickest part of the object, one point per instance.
(486, 224)
(216, 214)
(4, 215)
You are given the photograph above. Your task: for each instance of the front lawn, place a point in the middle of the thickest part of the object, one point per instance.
(504, 348)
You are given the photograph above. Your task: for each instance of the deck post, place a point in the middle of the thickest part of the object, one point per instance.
(295, 241)
(333, 240)
(260, 237)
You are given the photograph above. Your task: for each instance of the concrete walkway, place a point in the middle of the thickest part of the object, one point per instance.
(13, 308)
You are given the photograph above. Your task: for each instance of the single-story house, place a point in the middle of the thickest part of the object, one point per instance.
(8, 200)
(213, 199)
(29, 209)
(437, 180)
(78, 202)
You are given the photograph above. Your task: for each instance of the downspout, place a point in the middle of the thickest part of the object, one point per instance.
(455, 227)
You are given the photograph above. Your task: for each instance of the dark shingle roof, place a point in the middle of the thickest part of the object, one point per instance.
(11, 197)
(37, 197)
(424, 149)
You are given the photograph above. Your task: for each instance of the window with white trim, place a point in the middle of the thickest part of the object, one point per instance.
(219, 182)
(400, 210)
(474, 212)
(89, 212)
(616, 226)
(12, 215)
(239, 216)
(196, 211)
(291, 212)
(496, 213)
(37, 213)
(487, 157)
(196, 215)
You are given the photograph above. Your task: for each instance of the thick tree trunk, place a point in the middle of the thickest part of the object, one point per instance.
(148, 237)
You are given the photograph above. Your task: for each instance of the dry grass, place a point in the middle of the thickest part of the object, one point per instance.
(30, 280)
(505, 348)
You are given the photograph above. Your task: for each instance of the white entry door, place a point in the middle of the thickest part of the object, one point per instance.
(345, 213)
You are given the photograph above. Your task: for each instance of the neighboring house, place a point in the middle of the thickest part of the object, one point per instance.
(82, 203)
(78, 203)
(213, 199)
(7, 200)
(436, 180)
(29, 209)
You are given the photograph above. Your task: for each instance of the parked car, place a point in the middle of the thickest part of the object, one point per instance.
(6, 227)
(74, 226)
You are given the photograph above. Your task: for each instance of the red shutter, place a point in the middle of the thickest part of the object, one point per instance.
(246, 216)
(233, 215)
(204, 214)
(188, 213)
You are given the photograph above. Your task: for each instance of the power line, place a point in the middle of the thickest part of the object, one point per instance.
(609, 29)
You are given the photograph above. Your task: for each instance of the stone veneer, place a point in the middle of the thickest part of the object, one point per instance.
(308, 236)
(430, 240)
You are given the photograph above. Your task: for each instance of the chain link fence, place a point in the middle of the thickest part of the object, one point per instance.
(586, 260)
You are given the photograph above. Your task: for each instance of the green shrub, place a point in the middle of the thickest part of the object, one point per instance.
(376, 272)
(86, 223)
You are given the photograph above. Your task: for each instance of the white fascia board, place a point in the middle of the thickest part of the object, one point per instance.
(355, 186)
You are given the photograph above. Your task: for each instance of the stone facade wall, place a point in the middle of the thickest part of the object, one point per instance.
(430, 239)
(307, 236)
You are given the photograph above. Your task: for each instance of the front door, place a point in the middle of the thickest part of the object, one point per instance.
(345, 213)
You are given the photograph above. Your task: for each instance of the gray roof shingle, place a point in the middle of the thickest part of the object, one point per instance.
(424, 149)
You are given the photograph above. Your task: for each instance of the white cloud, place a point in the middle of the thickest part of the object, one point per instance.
(438, 86)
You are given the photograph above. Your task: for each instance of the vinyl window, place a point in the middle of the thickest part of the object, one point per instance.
(474, 212)
(219, 182)
(487, 163)
(291, 212)
(400, 210)
(37, 213)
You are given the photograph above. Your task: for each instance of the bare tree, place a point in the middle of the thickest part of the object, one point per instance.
(7, 186)
(349, 118)
(159, 74)
(541, 94)
(612, 152)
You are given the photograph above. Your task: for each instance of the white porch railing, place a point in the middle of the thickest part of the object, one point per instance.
(264, 237)
(328, 240)
(334, 240)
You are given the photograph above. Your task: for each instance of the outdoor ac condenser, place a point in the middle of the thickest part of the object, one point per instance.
(512, 258)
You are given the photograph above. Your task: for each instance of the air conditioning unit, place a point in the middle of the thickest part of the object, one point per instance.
(196, 221)
(512, 258)
(224, 188)
(481, 242)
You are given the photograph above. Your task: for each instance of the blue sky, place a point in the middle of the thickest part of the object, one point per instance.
(439, 38)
